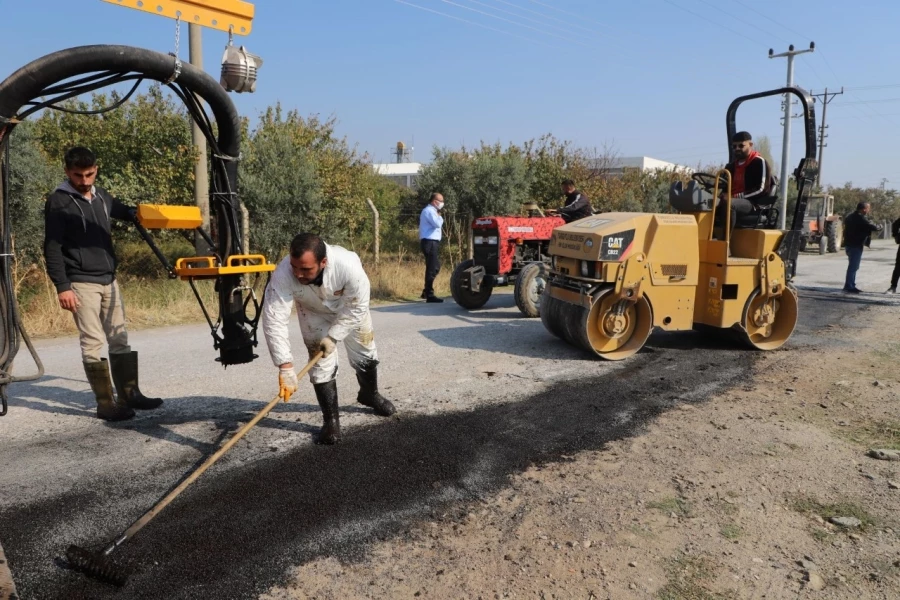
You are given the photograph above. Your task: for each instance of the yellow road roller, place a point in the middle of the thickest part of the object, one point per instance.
(616, 276)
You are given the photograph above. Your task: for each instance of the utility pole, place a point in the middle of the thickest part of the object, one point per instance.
(786, 142)
(826, 98)
(201, 168)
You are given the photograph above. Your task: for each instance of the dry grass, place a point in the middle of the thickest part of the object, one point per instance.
(161, 302)
(402, 278)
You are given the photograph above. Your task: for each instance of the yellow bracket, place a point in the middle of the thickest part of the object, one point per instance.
(205, 267)
(629, 277)
(771, 276)
(167, 216)
(225, 15)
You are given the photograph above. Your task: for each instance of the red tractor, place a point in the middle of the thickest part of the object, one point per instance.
(507, 250)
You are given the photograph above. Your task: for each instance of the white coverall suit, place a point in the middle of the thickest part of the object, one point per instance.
(338, 308)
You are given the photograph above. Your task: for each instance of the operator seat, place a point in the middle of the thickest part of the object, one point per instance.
(690, 198)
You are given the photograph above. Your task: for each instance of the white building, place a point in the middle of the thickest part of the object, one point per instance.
(403, 173)
(618, 165)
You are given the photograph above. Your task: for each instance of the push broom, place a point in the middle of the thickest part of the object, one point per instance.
(100, 566)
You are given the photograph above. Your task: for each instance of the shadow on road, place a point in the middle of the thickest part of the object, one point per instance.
(239, 533)
(41, 396)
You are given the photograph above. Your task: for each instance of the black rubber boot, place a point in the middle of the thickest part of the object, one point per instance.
(125, 375)
(326, 394)
(107, 407)
(368, 391)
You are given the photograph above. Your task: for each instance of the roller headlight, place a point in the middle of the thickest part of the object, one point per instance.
(585, 268)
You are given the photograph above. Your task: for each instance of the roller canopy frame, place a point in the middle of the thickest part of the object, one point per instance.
(805, 173)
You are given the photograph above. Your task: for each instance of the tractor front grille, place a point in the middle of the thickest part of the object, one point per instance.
(486, 250)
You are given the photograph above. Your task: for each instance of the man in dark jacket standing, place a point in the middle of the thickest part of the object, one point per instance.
(577, 205)
(857, 228)
(82, 265)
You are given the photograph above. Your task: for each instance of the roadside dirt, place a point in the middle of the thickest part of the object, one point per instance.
(730, 498)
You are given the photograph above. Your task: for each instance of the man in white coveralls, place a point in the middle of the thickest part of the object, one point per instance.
(330, 289)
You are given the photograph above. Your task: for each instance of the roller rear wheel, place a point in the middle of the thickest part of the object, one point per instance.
(769, 323)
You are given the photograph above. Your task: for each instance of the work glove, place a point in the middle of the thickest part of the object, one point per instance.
(326, 346)
(287, 382)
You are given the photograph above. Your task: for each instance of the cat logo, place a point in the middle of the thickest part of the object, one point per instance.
(614, 243)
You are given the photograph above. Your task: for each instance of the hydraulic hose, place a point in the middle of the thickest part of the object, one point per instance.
(51, 79)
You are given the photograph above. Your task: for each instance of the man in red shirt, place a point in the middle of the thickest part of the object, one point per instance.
(751, 176)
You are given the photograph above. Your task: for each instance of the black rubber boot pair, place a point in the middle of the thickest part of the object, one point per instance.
(326, 394)
(108, 408)
(368, 391)
(124, 369)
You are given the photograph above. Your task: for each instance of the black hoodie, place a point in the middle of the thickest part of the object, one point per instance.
(77, 242)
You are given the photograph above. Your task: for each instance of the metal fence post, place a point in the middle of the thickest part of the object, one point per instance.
(470, 237)
(377, 228)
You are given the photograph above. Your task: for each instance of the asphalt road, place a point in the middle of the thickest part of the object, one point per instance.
(481, 396)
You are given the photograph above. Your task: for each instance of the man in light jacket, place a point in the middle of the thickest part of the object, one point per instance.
(330, 290)
(430, 223)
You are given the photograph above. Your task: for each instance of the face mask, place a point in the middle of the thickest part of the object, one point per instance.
(440, 205)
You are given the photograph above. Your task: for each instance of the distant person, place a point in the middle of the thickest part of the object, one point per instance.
(330, 290)
(751, 176)
(895, 276)
(81, 263)
(577, 205)
(857, 231)
(430, 224)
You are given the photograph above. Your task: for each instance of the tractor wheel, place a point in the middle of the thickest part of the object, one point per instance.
(834, 238)
(463, 296)
(780, 312)
(530, 284)
(599, 329)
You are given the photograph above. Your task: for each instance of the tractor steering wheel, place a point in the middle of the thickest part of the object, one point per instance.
(708, 182)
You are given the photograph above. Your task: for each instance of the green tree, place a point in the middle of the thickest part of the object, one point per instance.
(144, 147)
(32, 176)
(278, 184)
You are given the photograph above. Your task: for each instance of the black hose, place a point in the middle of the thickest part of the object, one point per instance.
(9, 309)
(51, 79)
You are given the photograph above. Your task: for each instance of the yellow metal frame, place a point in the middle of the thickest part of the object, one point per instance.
(169, 216)
(727, 206)
(234, 16)
(205, 267)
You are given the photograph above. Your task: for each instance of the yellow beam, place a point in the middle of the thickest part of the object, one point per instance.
(225, 15)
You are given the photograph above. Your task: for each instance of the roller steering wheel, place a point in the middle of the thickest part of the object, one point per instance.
(708, 182)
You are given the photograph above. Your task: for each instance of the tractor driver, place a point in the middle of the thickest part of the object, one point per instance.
(330, 290)
(751, 177)
(577, 205)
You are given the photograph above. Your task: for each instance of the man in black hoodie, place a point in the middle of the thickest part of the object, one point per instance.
(81, 263)
(857, 231)
(577, 205)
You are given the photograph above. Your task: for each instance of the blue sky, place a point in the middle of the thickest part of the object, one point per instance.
(639, 77)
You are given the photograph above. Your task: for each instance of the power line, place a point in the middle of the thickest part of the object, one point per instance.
(881, 101)
(687, 10)
(743, 20)
(571, 14)
(487, 14)
(509, 12)
(546, 16)
(482, 25)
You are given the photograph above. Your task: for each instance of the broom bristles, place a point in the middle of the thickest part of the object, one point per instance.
(95, 565)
